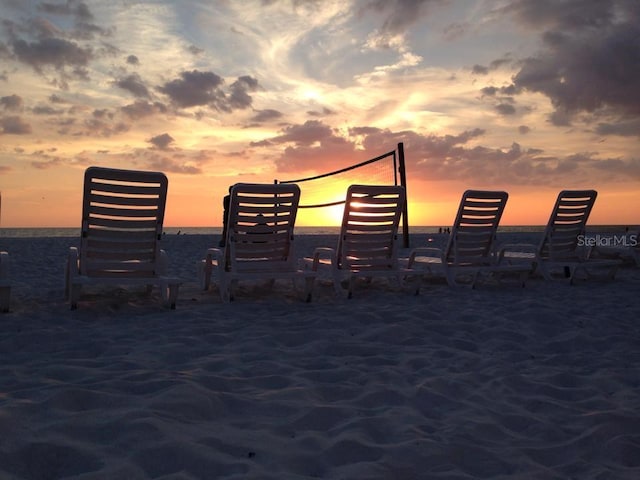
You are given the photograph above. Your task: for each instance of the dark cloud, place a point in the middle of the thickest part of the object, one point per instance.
(505, 109)
(195, 50)
(134, 84)
(455, 30)
(46, 110)
(310, 132)
(489, 91)
(564, 14)
(590, 60)
(630, 128)
(141, 109)
(14, 126)
(325, 112)
(53, 98)
(172, 165)
(317, 148)
(266, 115)
(73, 8)
(399, 14)
(161, 141)
(80, 13)
(240, 98)
(523, 129)
(54, 52)
(195, 88)
(133, 60)
(101, 125)
(11, 102)
(480, 70)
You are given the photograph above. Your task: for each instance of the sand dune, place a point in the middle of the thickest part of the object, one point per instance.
(498, 382)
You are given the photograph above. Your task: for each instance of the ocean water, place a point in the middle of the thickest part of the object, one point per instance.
(216, 231)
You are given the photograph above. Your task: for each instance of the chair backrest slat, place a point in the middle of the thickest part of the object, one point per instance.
(472, 238)
(122, 218)
(567, 222)
(261, 223)
(368, 236)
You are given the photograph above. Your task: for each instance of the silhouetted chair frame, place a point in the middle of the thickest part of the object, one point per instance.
(368, 239)
(562, 251)
(122, 219)
(260, 240)
(472, 244)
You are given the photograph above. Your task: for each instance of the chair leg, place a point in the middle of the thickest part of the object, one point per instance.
(352, 281)
(169, 292)
(74, 295)
(309, 282)
(5, 296)
(204, 274)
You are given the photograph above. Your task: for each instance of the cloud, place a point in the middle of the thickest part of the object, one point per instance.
(172, 165)
(80, 14)
(563, 15)
(589, 60)
(53, 98)
(505, 109)
(46, 110)
(161, 141)
(310, 132)
(195, 88)
(133, 60)
(55, 52)
(240, 97)
(323, 113)
(267, 115)
(101, 124)
(14, 125)
(134, 84)
(316, 148)
(480, 70)
(630, 128)
(140, 109)
(80, 10)
(399, 14)
(11, 102)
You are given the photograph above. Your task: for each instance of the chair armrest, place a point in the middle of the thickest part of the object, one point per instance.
(525, 248)
(73, 259)
(4, 266)
(216, 254)
(320, 253)
(163, 264)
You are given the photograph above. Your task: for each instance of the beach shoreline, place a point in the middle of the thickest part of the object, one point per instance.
(497, 382)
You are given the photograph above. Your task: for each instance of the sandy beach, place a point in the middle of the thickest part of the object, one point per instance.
(498, 382)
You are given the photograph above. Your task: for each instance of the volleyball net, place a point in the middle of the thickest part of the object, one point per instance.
(328, 190)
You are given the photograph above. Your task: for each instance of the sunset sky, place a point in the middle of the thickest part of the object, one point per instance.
(528, 96)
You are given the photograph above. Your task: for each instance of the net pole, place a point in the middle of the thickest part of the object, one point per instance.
(403, 182)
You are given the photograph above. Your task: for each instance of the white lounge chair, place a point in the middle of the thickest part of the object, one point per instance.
(5, 285)
(260, 240)
(563, 250)
(368, 240)
(122, 217)
(471, 248)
